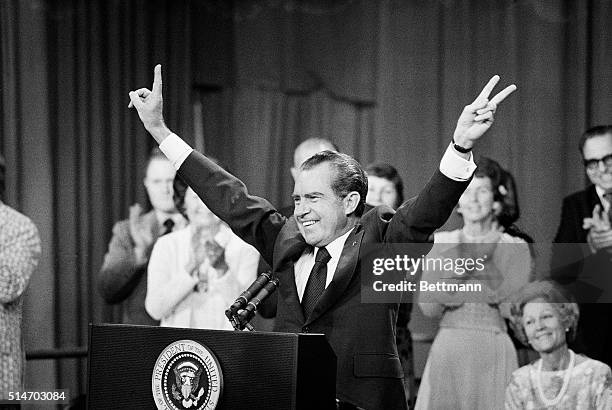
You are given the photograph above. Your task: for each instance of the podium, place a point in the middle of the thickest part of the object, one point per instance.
(145, 367)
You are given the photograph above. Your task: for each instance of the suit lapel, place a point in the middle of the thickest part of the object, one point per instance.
(342, 276)
(593, 199)
(150, 221)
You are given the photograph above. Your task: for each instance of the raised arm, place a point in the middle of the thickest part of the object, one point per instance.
(252, 218)
(121, 270)
(416, 219)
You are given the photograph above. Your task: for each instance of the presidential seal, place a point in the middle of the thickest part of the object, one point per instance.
(187, 376)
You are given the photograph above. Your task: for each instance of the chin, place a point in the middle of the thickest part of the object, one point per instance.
(311, 241)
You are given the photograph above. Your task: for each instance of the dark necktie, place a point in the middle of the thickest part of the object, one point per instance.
(316, 282)
(168, 225)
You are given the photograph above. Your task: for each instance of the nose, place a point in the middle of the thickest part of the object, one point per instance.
(601, 166)
(301, 209)
(539, 324)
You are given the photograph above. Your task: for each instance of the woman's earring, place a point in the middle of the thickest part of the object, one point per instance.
(497, 207)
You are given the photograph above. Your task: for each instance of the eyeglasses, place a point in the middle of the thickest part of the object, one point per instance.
(593, 164)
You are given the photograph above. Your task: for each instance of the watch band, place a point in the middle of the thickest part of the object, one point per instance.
(460, 149)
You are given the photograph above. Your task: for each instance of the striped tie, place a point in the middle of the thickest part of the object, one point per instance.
(316, 282)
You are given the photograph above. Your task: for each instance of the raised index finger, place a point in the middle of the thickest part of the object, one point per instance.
(486, 91)
(157, 80)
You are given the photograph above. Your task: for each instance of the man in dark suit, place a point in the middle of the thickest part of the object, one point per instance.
(586, 269)
(316, 253)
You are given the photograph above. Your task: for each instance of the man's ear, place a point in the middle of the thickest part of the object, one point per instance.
(350, 202)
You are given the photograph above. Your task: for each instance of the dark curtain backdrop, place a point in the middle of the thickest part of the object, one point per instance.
(246, 82)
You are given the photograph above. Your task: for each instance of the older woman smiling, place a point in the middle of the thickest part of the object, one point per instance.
(546, 320)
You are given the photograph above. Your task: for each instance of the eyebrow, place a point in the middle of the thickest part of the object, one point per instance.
(308, 195)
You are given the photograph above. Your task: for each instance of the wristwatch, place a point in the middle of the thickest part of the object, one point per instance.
(459, 148)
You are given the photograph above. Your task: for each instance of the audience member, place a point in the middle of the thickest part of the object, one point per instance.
(585, 270)
(195, 273)
(19, 254)
(385, 186)
(545, 319)
(316, 253)
(472, 357)
(123, 277)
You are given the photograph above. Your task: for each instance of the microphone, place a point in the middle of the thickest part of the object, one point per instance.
(245, 296)
(245, 315)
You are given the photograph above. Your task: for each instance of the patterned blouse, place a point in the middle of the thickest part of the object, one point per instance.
(19, 253)
(590, 387)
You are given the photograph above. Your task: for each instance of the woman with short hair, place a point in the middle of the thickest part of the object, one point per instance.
(545, 319)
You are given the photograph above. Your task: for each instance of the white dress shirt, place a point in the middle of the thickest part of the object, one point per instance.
(600, 193)
(304, 264)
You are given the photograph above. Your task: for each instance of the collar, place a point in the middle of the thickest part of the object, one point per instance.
(177, 218)
(600, 193)
(335, 247)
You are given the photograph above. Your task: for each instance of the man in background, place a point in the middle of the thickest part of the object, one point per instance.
(123, 277)
(19, 254)
(307, 149)
(585, 219)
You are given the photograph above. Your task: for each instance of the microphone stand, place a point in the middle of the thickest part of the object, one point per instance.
(242, 311)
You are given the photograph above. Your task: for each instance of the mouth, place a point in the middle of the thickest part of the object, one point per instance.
(543, 335)
(307, 224)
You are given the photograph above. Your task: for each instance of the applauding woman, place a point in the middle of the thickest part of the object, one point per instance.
(195, 273)
(472, 357)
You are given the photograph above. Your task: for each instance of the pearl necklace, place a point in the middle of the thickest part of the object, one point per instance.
(566, 380)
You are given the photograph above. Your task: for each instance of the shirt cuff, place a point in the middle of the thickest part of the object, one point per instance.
(455, 167)
(175, 149)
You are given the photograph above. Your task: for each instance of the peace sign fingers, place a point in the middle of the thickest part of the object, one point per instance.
(501, 96)
(483, 97)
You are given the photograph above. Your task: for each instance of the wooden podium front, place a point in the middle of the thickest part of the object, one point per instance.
(238, 370)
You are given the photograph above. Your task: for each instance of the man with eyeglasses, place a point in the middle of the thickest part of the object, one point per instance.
(586, 219)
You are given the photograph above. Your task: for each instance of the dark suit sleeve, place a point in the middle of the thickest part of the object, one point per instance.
(567, 260)
(252, 218)
(570, 225)
(120, 273)
(420, 216)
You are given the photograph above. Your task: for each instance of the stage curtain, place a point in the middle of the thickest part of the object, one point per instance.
(383, 79)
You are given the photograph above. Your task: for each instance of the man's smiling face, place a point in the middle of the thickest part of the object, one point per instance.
(319, 212)
(599, 147)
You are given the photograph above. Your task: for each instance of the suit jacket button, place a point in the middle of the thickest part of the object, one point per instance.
(305, 329)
